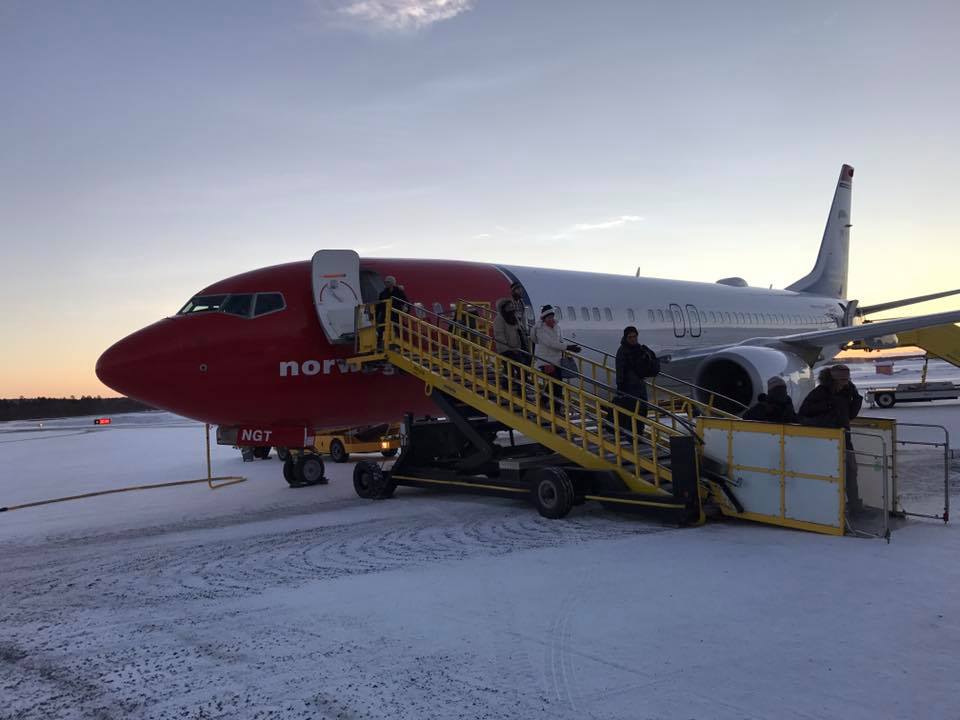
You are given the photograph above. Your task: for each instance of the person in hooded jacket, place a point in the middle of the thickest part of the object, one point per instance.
(550, 348)
(834, 403)
(520, 310)
(507, 336)
(391, 291)
(635, 363)
(774, 406)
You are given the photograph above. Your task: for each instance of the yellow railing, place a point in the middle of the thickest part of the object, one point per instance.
(587, 428)
(664, 403)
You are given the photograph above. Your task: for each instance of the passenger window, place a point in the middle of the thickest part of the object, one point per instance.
(238, 305)
(596, 314)
(651, 317)
(202, 303)
(268, 303)
(713, 317)
(631, 315)
(729, 320)
(571, 312)
(660, 315)
(608, 314)
(584, 313)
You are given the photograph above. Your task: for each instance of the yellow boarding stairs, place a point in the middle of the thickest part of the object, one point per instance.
(454, 358)
(664, 403)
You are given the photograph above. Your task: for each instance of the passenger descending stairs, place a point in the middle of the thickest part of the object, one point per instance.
(587, 428)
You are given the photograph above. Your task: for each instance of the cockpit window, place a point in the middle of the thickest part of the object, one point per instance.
(238, 305)
(267, 303)
(202, 303)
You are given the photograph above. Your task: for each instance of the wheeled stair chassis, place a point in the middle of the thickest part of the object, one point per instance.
(588, 449)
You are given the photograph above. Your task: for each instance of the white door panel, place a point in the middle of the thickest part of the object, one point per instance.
(335, 276)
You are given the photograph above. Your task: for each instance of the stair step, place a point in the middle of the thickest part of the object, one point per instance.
(580, 426)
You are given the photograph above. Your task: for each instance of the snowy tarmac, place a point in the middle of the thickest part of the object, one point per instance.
(260, 601)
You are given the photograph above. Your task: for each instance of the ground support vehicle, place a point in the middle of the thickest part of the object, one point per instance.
(887, 397)
(460, 452)
(671, 454)
(340, 444)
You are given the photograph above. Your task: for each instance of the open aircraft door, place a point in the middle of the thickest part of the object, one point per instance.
(335, 275)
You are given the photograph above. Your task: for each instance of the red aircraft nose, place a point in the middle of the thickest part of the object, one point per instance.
(138, 365)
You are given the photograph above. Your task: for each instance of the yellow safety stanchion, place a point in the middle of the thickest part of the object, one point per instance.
(224, 481)
(214, 483)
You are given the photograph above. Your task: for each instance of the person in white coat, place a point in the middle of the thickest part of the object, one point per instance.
(550, 347)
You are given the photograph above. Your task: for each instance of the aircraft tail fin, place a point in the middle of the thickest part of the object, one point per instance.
(829, 274)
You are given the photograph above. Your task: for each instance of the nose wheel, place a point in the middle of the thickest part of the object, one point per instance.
(304, 470)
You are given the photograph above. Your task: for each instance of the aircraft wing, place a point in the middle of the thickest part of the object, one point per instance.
(809, 344)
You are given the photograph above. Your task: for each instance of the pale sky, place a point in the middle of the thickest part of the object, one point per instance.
(149, 149)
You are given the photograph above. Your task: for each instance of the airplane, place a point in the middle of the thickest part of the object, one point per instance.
(266, 351)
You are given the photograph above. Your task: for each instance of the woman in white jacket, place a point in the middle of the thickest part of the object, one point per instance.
(549, 351)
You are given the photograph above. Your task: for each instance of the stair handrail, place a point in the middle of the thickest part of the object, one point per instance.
(407, 330)
(646, 404)
(607, 356)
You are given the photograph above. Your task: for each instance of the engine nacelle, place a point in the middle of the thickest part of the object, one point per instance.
(741, 373)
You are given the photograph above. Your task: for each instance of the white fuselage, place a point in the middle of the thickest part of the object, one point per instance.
(671, 315)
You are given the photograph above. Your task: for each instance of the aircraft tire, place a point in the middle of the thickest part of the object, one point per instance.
(370, 482)
(365, 478)
(261, 452)
(288, 472)
(282, 454)
(552, 492)
(308, 469)
(885, 400)
(338, 453)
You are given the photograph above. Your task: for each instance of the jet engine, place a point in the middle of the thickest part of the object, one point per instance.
(741, 373)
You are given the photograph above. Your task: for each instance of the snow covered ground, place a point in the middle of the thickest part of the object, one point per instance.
(260, 601)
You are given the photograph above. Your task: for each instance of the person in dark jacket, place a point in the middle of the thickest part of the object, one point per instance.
(635, 363)
(509, 342)
(774, 406)
(834, 403)
(520, 311)
(391, 291)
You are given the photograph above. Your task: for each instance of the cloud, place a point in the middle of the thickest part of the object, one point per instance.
(480, 236)
(394, 15)
(616, 222)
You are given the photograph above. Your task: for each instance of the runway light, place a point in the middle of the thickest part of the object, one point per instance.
(102, 421)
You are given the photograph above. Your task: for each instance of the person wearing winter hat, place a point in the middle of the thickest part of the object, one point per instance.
(390, 292)
(635, 363)
(834, 403)
(508, 340)
(774, 406)
(550, 347)
(520, 310)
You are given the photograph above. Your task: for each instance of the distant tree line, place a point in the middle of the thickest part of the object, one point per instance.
(43, 407)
